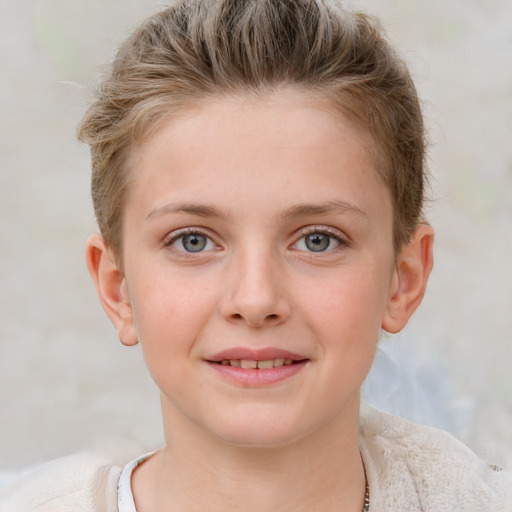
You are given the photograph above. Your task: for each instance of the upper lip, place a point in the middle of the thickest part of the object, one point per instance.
(255, 354)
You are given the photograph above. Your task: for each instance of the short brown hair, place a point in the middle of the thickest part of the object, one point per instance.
(198, 48)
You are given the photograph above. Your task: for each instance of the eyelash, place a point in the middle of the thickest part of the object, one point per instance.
(322, 230)
(313, 230)
(182, 233)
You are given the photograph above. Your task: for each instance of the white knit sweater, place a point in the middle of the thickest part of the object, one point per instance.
(410, 468)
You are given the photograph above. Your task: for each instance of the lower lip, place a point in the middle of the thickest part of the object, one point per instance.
(254, 378)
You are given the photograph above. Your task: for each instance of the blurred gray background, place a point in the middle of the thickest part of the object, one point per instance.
(66, 383)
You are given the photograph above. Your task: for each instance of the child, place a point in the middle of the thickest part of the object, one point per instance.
(258, 182)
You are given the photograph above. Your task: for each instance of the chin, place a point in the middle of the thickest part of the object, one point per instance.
(260, 431)
(259, 439)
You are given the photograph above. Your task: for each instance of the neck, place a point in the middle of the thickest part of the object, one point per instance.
(197, 472)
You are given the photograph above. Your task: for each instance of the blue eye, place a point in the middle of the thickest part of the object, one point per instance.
(318, 242)
(192, 242)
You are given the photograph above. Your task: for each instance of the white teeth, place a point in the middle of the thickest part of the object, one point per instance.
(250, 364)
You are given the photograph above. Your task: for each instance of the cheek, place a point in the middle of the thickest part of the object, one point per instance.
(170, 316)
(354, 298)
(171, 311)
(347, 308)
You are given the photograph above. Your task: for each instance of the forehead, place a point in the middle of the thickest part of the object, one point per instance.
(282, 148)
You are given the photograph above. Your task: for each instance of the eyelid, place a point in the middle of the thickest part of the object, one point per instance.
(175, 235)
(172, 237)
(324, 230)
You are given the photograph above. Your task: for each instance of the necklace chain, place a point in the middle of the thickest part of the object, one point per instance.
(366, 506)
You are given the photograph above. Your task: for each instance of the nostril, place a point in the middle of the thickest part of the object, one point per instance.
(272, 316)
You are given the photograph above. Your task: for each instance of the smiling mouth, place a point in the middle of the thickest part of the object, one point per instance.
(258, 365)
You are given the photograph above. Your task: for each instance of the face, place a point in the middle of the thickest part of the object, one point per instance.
(258, 263)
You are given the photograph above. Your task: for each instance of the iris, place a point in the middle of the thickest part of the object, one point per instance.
(317, 242)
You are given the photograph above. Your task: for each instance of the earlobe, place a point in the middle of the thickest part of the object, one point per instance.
(111, 288)
(409, 282)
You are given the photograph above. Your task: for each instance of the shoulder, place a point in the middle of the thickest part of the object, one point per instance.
(416, 468)
(85, 482)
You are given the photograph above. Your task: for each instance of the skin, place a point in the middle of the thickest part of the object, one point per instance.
(255, 178)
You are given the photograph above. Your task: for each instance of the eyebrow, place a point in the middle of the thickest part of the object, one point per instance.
(330, 207)
(299, 210)
(201, 210)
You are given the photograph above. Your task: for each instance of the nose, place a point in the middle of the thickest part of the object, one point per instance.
(255, 292)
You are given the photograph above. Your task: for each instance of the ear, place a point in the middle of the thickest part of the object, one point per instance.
(409, 282)
(111, 287)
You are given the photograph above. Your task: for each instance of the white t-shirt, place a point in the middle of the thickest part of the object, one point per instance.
(125, 501)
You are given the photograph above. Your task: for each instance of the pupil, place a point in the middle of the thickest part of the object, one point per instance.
(317, 242)
(194, 243)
